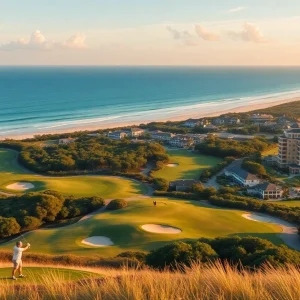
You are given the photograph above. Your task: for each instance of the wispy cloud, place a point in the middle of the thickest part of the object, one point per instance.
(236, 9)
(38, 41)
(250, 33)
(206, 35)
(182, 35)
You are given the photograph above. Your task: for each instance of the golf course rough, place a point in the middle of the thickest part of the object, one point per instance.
(11, 173)
(124, 228)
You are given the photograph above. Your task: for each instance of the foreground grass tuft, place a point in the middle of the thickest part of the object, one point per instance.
(212, 282)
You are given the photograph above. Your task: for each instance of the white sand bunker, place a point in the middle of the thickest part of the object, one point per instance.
(20, 186)
(173, 165)
(155, 228)
(97, 241)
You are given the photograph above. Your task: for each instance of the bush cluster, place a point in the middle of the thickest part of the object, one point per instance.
(91, 154)
(224, 148)
(116, 204)
(249, 252)
(29, 211)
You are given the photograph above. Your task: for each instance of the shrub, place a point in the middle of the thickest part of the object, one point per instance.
(160, 184)
(8, 227)
(180, 253)
(31, 223)
(116, 204)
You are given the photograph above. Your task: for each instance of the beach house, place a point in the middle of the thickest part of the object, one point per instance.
(161, 136)
(182, 185)
(117, 135)
(266, 190)
(241, 176)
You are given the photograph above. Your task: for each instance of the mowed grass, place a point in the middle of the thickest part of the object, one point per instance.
(190, 165)
(123, 227)
(37, 275)
(273, 151)
(104, 186)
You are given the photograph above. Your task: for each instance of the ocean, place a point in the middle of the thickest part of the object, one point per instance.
(48, 99)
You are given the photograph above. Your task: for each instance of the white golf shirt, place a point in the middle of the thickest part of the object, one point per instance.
(17, 254)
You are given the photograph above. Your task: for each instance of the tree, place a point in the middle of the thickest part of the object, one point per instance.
(31, 222)
(8, 227)
(160, 184)
(116, 204)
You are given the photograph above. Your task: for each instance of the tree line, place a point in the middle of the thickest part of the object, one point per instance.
(226, 148)
(91, 154)
(30, 211)
(248, 252)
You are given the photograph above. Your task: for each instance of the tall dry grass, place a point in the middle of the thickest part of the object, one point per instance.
(215, 282)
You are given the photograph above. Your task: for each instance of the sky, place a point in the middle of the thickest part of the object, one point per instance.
(150, 32)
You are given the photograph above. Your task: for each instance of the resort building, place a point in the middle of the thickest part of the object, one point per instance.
(117, 135)
(66, 141)
(136, 132)
(182, 185)
(289, 151)
(260, 119)
(240, 176)
(267, 191)
(181, 141)
(162, 136)
(191, 123)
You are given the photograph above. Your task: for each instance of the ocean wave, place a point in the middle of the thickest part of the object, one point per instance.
(150, 114)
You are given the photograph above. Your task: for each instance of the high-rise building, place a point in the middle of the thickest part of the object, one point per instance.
(289, 151)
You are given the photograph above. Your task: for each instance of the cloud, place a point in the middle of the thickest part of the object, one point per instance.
(206, 35)
(182, 35)
(38, 41)
(250, 33)
(236, 9)
(76, 41)
(177, 34)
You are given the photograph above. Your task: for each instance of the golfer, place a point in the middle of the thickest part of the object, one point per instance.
(17, 259)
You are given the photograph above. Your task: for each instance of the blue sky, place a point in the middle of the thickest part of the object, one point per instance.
(149, 32)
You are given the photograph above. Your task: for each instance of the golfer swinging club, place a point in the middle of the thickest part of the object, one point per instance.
(17, 259)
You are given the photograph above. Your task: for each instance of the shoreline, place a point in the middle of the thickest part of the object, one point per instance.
(194, 113)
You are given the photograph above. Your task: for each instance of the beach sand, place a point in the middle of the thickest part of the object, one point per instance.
(200, 112)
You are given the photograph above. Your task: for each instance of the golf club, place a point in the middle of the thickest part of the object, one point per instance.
(24, 238)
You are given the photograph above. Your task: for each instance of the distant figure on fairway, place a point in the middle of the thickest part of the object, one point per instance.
(154, 203)
(17, 259)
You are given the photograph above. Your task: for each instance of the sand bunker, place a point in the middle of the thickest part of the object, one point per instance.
(172, 165)
(97, 241)
(154, 228)
(20, 186)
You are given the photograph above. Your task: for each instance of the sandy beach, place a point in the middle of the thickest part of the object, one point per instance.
(199, 111)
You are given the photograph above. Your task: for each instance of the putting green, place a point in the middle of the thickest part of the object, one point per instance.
(190, 165)
(124, 228)
(104, 186)
(38, 275)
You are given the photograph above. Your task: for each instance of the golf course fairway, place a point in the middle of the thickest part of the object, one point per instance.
(124, 228)
(104, 186)
(186, 164)
(36, 275)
